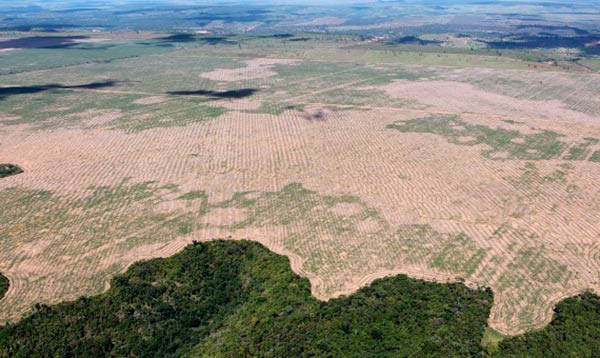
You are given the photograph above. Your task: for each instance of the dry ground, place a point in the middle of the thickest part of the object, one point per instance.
(347, 197)
(254, 69)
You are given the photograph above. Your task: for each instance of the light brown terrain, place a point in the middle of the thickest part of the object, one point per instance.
(348, 199)
(255, 69)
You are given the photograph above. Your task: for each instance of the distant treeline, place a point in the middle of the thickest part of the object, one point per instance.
(237, 299)
(586, 43)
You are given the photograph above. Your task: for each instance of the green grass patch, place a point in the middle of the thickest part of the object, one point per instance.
(503, 143)
(595, 157)
(491, 339)
(581, 150)
(349, 97)
(63, 108)
(309, 216)
(194, 113)
(192, 195)
(532, 178)
(459, 254)
(592, 63)
(296, 205)
(36, 59)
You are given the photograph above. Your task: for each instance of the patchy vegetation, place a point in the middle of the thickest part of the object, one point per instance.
(581, 151)
(503, 143)
(137, 122)
(348, 223)
(595, 157)
(83, 266)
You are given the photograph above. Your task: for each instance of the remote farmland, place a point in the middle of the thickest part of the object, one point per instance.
(353, 160)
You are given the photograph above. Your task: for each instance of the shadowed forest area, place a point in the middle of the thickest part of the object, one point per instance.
(4, 283)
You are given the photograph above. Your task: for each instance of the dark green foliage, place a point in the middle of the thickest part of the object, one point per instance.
(4, 283)
(9, 169)
(574, 332)
(395, 317)
(236, 298)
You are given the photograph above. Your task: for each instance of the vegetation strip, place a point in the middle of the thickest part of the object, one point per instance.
(503, 143)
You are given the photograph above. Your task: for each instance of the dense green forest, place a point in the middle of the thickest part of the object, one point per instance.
(237, 299)
(9, 169)
(3, 285)
(574, 332)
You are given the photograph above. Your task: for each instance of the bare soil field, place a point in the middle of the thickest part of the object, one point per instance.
(352, 171)
(256, 68)
(456, 97)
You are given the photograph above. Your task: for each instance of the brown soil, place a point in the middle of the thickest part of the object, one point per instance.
(256, 68)
(151, 100)
(455, 97)
(513, 220)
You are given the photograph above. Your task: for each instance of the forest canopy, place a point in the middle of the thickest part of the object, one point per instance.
(226, 299)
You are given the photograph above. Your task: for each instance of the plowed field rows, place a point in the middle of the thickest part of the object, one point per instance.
(354, 171)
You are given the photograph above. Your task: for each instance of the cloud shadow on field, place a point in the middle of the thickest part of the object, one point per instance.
(178, 38)
(43, 42)
(299, 39)
(235, 94)
(17, 90)
(318, 116)
(187, 38)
